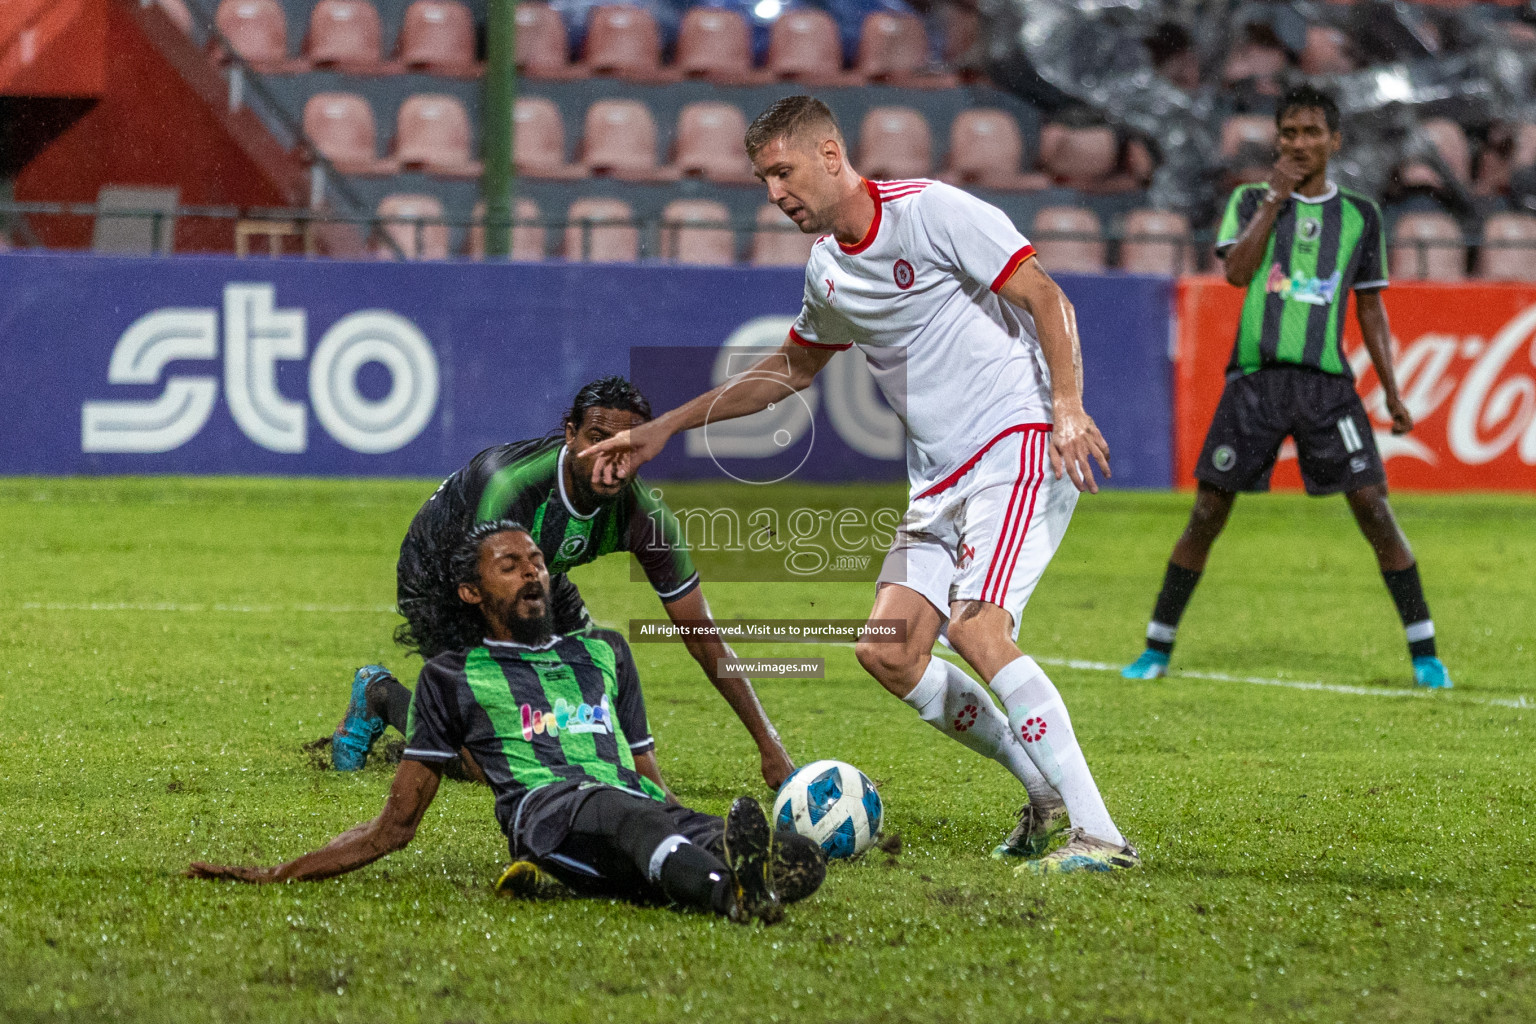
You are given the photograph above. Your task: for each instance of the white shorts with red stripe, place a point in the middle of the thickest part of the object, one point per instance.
(987, 531)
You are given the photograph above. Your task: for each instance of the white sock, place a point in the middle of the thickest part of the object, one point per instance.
(957, 705)
(1038, 718)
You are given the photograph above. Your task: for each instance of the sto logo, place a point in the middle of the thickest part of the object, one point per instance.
(830, 288)
(1033, 729)
(966, 718)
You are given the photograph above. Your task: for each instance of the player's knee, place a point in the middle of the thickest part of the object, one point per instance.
(891, 664)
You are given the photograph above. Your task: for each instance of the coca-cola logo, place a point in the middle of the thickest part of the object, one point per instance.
(1484, 387)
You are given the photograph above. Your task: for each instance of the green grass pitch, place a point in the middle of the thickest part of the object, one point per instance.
(1310, 854)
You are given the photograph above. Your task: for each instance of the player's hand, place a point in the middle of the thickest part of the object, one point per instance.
(1402, 419)
(776, 768)
(621, 456)
(231, 872)
(1286, 175)
(1075, 440)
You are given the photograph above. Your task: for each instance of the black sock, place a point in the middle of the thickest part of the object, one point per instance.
(1408, 594)
(1178, 585)
(390, 701)
(694, 877)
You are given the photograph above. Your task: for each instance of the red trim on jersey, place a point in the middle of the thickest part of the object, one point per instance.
(874, 225)
(1034, 492)
(970, 463)
(1013, 264)
(794, 336)
(891, 196)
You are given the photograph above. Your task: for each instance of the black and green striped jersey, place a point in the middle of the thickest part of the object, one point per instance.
(525, 481)
(1319, 251)
(569, 711)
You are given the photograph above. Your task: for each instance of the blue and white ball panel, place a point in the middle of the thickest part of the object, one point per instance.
(831, 803)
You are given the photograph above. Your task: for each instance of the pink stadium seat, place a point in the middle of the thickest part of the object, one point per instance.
(527, 233)
(1454, 149)
(777, 242)
(619, 141)
(258, 32)
(1327, 52)
(1509, 248)
(709, 143)
(986, 149)
(1078, 157)
(178, 12)
(601, 231)
(345, 35)
(624, 42)
(893, 50)
(438, 38)
(1068, 238)
(340, 124)
(432, 135)
(894, 143)
(415, 224)
(803, 46)
(1241, 130)
(1428, 247)
(1156, 242)
(539, 141)
(697, 232)
(715, 44)
(543, 47)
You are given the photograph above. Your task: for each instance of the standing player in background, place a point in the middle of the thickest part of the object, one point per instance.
(1299, 245)
(976, 348)
(545, 484)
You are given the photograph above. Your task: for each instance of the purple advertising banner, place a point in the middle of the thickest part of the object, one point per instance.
(285, 367)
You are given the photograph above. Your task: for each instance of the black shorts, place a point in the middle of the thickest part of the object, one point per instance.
(597, 839)
(1334, 444)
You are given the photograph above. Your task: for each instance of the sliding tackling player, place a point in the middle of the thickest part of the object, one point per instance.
(976, 349)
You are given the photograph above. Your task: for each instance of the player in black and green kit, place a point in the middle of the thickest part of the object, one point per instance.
(1299, 245)
(543, 484)
(554, 723)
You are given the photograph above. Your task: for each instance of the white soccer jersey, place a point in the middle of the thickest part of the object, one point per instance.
(918, 295)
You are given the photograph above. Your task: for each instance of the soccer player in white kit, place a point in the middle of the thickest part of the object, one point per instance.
(976, 348)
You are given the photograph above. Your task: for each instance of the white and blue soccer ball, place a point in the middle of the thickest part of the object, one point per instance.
(831, 803)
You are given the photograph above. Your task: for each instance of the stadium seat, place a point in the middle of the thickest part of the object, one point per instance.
(1156, 242)
(432, 135)
(893, 50)
(258, 32)
(777, 242)
(601, 231)
(1078, 157)
(539, 141)
(1326, 52)
(803, 47)
(345, 35)
(1509, 248)
(714, 44)
(986, 149)
(1428, 247)
(624, 42)
(697, 232)
(543, 46)
(341, 126)
(1455, 151)
(527, 233)
(438, 38)
(1068, 238)
(619, 141)
(1242, 130)
(415, 224)
(178, 12)
(708, 144)
(894, 143)
(1509, 146)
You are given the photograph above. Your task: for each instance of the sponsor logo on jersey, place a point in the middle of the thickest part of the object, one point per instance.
(1314, 291)
(571, 547)
(565, 717)
(1309, 228)
(903, 274)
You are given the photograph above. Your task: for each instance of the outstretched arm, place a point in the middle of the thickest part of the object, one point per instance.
(738, 692)
(409, 797)
(1372, 314)
(619, 457)
(1075, 438)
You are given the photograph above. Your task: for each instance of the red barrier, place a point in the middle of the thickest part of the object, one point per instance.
(1464, 356)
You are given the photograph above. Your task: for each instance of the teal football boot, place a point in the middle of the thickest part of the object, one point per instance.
(1151, 665)
(1430, 673)
(360, 727)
